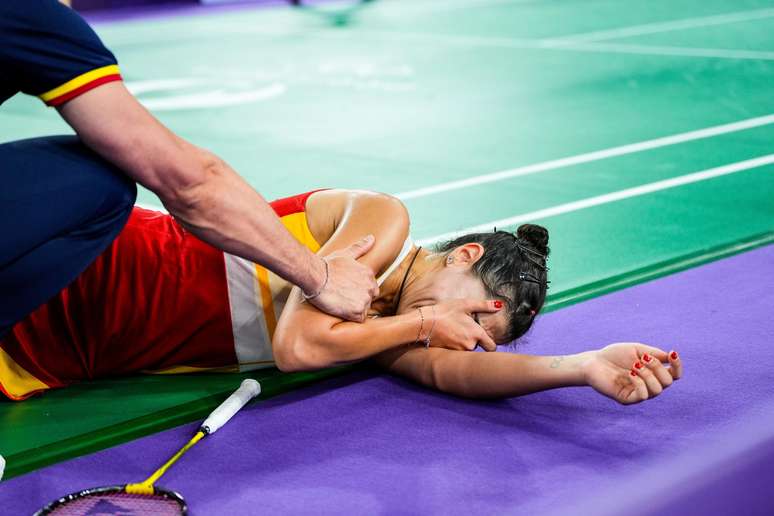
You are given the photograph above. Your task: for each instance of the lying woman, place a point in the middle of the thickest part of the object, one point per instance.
(159, 300)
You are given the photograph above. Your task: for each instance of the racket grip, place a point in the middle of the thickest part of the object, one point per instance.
(248, 390)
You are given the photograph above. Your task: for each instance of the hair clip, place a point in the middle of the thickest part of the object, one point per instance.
(528, 250)
(531, 278)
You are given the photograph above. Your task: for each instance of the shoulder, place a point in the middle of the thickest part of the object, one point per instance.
(327, 210)
(52, 52)
(342, 201)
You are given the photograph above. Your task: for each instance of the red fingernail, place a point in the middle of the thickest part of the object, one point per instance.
(674, 355)
(633, 373)
(646, 357)
(638, 365)
(498, 304)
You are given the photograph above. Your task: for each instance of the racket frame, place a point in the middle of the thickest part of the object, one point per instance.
(106, 490)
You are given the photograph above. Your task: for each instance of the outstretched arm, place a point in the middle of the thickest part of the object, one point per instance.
(503, 375)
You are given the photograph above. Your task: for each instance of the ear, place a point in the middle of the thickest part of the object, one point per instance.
(465, 255)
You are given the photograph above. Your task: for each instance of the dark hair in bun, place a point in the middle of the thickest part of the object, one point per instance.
(513, 269)
(534, 235)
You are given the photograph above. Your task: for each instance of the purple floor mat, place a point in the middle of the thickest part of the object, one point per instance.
(372, 444)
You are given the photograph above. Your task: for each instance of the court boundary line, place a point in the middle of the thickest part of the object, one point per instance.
(478, 41)
(638, 275)
(588, 157)
(661, 27)
(540, 44)
(607, 198)
(31, 459)
(672, 51)
(574, 41)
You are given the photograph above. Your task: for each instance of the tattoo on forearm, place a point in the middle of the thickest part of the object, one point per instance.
(556, 362)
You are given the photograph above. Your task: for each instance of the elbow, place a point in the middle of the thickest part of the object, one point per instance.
(183, 185)
(286, 357)
(293, 353)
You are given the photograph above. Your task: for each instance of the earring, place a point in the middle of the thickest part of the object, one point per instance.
(449, 260)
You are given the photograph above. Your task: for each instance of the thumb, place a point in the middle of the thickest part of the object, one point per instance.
(361, 247)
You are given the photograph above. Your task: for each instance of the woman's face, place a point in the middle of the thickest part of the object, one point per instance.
(455, 279)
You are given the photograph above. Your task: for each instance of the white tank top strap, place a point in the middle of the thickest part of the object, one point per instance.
(407, 245)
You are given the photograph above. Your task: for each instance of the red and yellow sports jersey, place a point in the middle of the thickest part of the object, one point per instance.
(157, 300)
(49, 51)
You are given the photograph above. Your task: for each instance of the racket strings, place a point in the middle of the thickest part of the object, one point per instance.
(119, 503)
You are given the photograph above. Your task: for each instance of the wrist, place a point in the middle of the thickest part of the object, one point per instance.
(583, 362)
(426, 325)
(568, 370)
(317, 277)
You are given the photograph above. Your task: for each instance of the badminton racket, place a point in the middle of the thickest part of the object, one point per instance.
(145, 497)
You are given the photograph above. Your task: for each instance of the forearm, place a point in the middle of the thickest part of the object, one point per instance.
(321, 341)
(488, 375)
(198, 188)
(226, 212)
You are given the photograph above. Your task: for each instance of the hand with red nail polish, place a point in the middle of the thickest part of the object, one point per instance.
(675, 365)
(454, 324)
(631, 372)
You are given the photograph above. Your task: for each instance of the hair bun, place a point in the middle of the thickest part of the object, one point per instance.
(536, 236)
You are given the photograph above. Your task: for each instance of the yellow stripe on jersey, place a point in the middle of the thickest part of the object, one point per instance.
(79, 81)
(297, 225)
(15, 380)
(267, 300)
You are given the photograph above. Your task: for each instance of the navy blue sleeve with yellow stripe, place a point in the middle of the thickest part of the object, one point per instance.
(49, 51)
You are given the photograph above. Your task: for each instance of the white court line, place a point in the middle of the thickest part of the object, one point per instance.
(654, 28)
(656, 50)
(527, 44)
(453, 39)
(606, 198)
(589, 157)
(434, 7)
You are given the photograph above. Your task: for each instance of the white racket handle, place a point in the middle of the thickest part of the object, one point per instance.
(248, 390)
(2, 466)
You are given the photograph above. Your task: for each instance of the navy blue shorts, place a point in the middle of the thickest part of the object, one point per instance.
(61, 205)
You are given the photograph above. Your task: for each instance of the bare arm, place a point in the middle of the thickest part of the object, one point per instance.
(306, 338)
(208, 198)
(502, 375)
(483, 375)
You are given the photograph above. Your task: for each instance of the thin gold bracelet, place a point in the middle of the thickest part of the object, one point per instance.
(421, 325)
(432, 327)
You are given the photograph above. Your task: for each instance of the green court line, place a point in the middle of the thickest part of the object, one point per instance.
(273, 383)
(657, 270)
